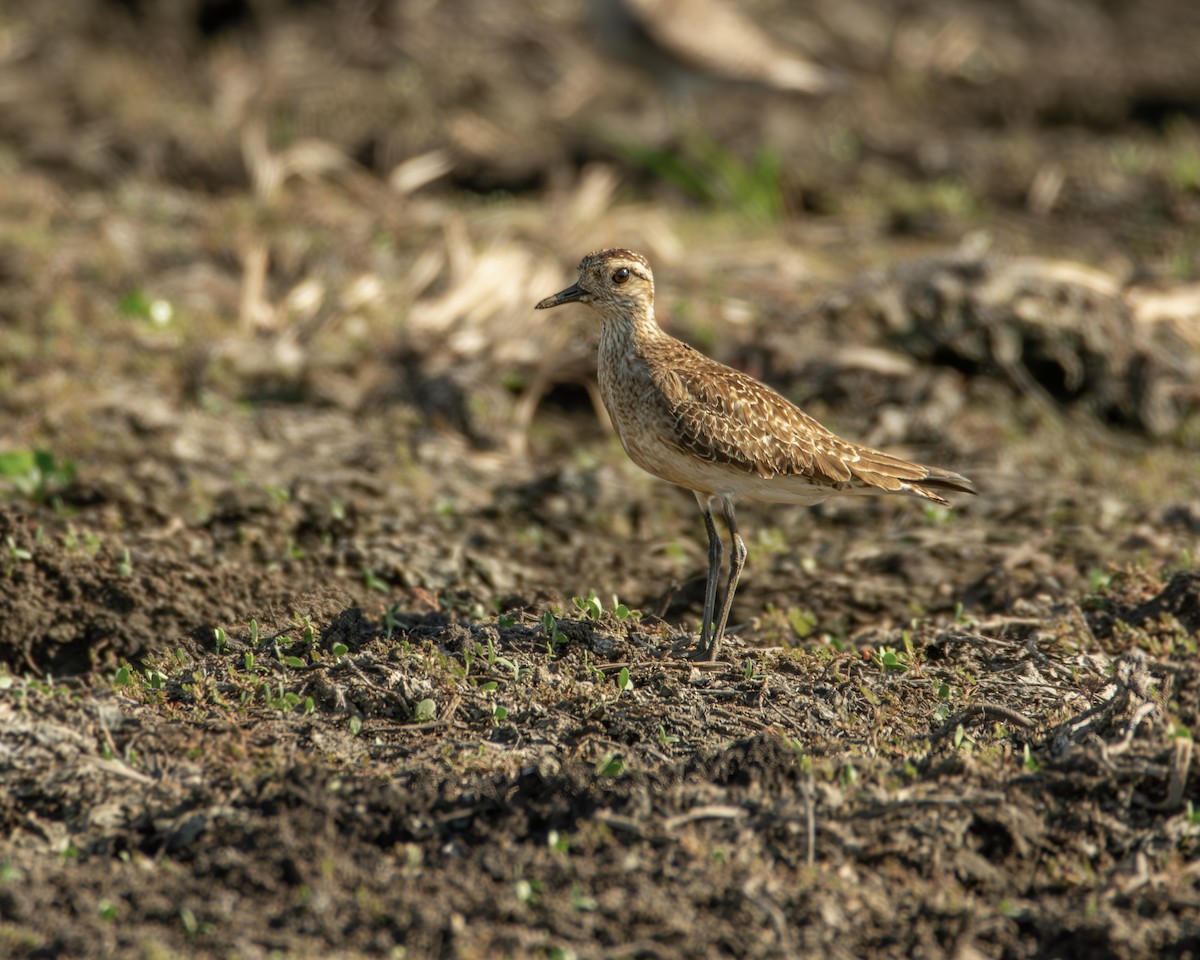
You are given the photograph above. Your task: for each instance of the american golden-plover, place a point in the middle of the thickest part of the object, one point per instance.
(720, 433)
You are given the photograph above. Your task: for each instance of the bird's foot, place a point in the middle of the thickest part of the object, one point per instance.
(687, 647)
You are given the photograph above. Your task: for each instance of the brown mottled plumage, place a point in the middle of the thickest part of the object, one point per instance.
(723, 434)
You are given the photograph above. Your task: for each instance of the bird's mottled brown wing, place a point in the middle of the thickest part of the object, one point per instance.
(724, 416)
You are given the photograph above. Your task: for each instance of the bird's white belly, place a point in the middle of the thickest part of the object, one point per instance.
(654, 456)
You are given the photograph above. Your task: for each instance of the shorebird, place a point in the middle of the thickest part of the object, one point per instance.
(722, 434)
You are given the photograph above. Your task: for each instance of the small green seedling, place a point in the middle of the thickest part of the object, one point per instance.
(589, 606)
(1192, 816)
(555, 638)
(529, 891)
(611, 766)
(425, 711)
(36, 474)
(622, 612)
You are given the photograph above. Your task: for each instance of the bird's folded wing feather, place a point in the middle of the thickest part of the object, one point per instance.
(724, 416)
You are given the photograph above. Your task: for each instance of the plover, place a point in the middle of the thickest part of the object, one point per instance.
(722, 434)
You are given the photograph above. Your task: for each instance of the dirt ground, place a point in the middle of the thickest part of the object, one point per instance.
(334, 622)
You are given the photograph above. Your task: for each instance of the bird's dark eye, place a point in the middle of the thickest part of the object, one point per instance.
(621, 275)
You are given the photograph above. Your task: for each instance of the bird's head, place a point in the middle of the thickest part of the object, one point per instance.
(614, 282)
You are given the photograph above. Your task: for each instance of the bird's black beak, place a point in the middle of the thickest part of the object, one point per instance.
(572, 294)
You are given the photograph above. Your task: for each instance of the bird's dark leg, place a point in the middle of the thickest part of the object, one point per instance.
(714, 575)
(736, 562)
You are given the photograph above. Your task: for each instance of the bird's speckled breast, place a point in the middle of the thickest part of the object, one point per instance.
(639, 413)
(630, 396)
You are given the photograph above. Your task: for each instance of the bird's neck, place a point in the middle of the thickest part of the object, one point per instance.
(629, 339)
(630, 330)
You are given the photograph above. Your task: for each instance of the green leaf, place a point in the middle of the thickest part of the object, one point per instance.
(16, 463)
(425, 711)
(891, 661)
(801, 621)
(135, 304)
(611, 766)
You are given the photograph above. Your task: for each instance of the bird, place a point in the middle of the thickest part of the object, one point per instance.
(726, 436)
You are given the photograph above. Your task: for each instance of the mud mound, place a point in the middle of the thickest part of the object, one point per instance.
(1063, 334)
